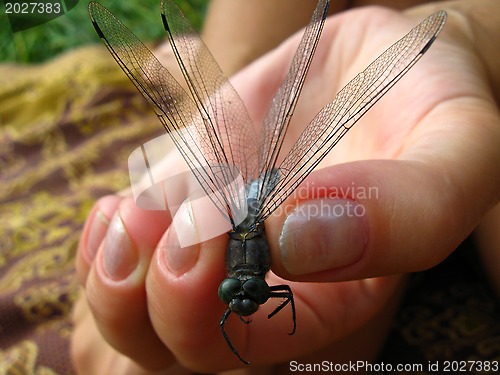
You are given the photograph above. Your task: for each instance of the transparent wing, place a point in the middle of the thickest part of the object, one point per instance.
(218, 102)
(350, 104)
(283, 104)
(199, 138)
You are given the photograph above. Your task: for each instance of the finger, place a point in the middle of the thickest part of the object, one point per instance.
(393, 217)
(86, 344)
(91, 354)
(93, 233)
(115, 285)
(182, 294)
(89, 351)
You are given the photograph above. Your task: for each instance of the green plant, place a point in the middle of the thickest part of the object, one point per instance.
(74, 29)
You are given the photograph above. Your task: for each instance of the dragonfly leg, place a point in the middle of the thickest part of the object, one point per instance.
(246, 321)
(283, 291)
(226, 337)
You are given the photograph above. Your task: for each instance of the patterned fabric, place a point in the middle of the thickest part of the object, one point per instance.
(66, 131)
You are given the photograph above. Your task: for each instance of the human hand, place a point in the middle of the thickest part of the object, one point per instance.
(437, 134)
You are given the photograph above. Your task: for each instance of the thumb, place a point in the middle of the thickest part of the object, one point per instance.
(366, 219)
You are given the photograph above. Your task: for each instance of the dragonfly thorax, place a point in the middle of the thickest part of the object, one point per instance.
(247, 252)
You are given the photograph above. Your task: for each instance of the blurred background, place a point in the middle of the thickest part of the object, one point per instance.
(74, 28)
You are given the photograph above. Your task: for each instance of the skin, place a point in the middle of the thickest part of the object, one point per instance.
(430, 147)
(252, 36)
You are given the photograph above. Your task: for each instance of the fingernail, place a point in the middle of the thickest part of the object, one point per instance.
(322, 235)
(120, 255)
(98, 229)
(181, 259)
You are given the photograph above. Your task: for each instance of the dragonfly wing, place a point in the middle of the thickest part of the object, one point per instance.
(350, 104)
(283, 104)
(192, 131)
(231, 131)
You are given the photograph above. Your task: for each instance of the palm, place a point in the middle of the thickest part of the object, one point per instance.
(388, 129)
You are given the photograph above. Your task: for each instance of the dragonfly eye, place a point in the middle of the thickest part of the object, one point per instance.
(243, 307)
(257, 289)
(228, 288)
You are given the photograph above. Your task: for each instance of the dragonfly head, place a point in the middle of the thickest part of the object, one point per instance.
(244, 296)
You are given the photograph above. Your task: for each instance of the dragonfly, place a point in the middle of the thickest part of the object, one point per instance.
(211, 128)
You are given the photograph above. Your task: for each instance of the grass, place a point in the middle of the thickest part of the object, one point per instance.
(74, 29)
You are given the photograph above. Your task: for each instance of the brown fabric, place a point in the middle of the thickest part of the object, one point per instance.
(66, 131)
